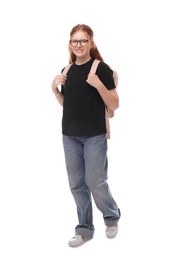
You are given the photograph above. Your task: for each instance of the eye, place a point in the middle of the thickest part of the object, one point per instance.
(74, 41)
(84, 41)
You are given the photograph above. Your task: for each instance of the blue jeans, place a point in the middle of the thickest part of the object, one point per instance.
(86, 163)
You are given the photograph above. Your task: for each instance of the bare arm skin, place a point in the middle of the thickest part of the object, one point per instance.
(110, 97)
(58, 80)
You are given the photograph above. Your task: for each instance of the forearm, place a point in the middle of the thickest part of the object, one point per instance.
(110, 97)
(58, 80)
(59, 97)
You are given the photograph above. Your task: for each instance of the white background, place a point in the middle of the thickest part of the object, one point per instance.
(37, 211)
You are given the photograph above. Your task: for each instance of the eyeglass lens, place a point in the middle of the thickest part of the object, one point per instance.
(82, 42)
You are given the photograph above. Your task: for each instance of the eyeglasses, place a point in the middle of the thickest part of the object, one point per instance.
(82, 42)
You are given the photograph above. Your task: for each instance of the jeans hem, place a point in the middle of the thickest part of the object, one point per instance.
(112, 221)
(84, 231)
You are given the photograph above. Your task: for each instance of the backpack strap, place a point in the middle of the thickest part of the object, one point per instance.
(115, 76)
(93, 70)
(66, 69)
(94, 66)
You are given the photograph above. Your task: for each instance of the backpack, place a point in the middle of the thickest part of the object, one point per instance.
(108, 113)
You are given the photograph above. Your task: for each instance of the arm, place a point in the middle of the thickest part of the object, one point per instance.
(59, 97)
(110, 97)
(59, 79)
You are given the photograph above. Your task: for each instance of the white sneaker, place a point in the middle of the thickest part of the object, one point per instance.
(77, 241)
(111, 232)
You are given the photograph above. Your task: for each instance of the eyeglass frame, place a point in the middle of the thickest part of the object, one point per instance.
(85, 41)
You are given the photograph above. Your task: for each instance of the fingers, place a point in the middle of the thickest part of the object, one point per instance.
(90, 75)
(60, 80)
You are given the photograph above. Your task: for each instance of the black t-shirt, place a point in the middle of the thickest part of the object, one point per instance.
(84, 109)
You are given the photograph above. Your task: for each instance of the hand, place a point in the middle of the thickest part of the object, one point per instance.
(58, 80)
(93, 80)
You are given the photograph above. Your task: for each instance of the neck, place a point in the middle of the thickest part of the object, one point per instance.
(82, 60)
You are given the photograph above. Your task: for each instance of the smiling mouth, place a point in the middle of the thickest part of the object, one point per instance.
(79, 50)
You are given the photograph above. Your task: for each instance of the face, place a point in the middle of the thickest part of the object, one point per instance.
(80, 45)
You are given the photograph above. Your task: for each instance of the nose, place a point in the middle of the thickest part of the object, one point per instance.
(78, 43)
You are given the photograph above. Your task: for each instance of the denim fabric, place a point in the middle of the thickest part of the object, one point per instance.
(86, 163)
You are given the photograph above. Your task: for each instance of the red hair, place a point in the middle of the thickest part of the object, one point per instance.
(94, 52)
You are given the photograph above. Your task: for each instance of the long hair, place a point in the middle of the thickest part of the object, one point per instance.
(94, 52)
